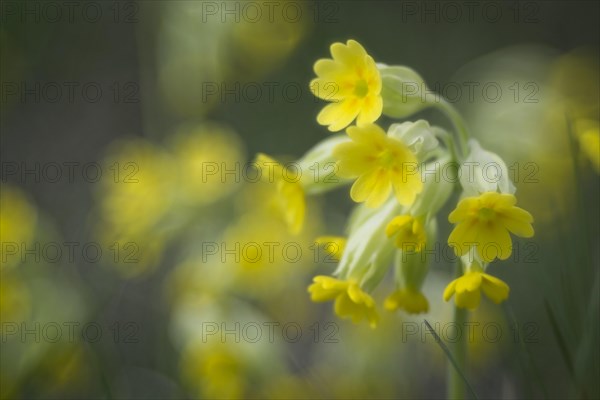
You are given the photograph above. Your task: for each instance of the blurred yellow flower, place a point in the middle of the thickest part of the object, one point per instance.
(214, 371)
(209, 159)
(485, 222)
(290, 197)
(409, 232)
(132, 203)
(350, 301)
(140, 191)
(333, 245)
(17, 222)
(469, 286)
(352, 81)
(260, 46)
(381, 163)
(408, 299)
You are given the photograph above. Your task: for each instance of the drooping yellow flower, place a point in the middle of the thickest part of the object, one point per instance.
(333, 245)
(409, 232)
(350, 301)
(352, 81)
(408, 299)
(469, 286)
(290, 194)
(381, 163)
(485, 222)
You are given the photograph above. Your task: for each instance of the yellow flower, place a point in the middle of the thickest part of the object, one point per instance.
(409, 231)
(333, 245)
(350, 301)
(204, 154)
(352, 81)
(485, 222)
(469, 286)
(290, 194)
(381, 163)
(214, 371)
(410, 300)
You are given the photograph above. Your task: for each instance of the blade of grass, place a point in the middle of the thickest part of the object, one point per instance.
(450, 358)
(562, 345)
(530, 366)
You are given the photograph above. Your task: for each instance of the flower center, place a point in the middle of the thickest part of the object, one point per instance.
(486, 214)
(386, 158)
(361, 88)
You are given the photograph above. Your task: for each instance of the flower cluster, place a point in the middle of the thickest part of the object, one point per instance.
(396, 177)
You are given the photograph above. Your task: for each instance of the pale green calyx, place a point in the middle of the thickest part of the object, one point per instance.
(319, 167)
(403, 91)
(484, 171)
(369, 252)
(439, 177)
(410, 266)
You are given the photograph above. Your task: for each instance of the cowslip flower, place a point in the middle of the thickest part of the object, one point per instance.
(485, 222)
(408, 299)
(350, 301)
(380, 163)
(408, 232)
(290, 197)
(352, 82)
(467, 289)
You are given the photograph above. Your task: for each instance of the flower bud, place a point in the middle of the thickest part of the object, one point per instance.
(484, 171)
(418, 136)
(369, 252)
(402, 91)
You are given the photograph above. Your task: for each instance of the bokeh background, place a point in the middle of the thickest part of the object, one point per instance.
(109, 284)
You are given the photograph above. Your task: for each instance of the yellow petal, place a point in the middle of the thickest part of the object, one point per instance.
(353, 159)
(469, 300)
(450, 289)
(339, 115)
(462, 209)
(345, 308)
(461, 236)
(493, 242)
(518, 227)
(350, 54)
(371, 110)
(469, 282)
(396, 224)
(361, 189)
(372, 76)
(380, 191)
(407, 185)
(326, 68)
(371, 135)
(495, 289)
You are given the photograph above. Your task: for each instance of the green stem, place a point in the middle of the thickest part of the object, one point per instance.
(456, 382)
(459, 124)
